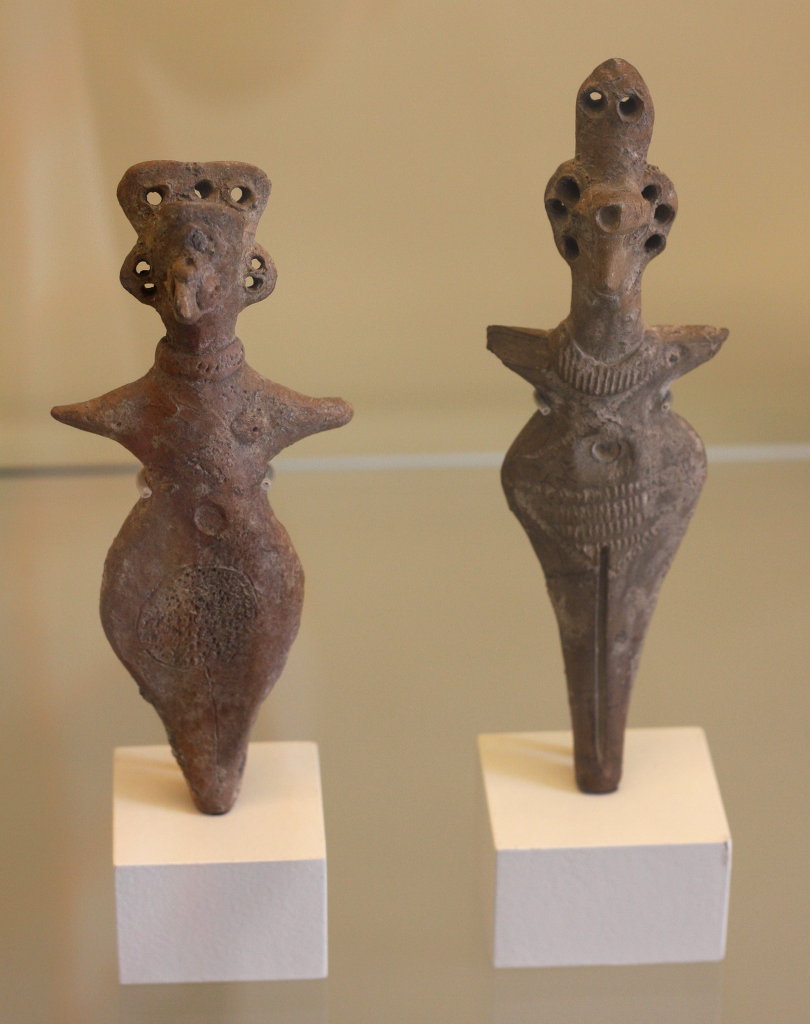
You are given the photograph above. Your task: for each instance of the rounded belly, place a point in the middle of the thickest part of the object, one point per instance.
(578, 490)
(206, 590)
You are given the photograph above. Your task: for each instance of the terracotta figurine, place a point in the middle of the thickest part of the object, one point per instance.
(202, 590)
(605, 477)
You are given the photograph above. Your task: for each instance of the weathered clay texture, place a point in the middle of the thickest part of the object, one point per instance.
(604, 477)
(202, 590)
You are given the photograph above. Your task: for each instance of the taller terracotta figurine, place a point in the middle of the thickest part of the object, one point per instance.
(202, 590)
(605, 477)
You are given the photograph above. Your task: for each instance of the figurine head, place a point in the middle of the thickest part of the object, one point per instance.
(615, 116)
(610, 210)
(196, 259)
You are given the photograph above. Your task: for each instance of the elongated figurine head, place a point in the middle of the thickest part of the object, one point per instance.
(196, 259)
(610, 210)
(614, 119)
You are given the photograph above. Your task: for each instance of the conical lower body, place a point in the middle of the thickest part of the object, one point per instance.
(605, 549)
(602, 615)
(204, 625)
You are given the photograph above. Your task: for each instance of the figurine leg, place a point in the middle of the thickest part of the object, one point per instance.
(601, 632)
(207, 714)
(209, 738)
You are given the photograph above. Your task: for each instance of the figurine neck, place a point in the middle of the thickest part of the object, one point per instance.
(203, 337)
(203, 366)
(606, 327)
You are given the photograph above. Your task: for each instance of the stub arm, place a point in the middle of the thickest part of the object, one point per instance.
(292, 416)
(685, 347)
(524, 350)
(117, 414)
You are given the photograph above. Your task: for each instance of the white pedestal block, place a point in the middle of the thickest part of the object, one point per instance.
(633, 877)
(235, 897)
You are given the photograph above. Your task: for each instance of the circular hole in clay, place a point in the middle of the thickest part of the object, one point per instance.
(148, 289)
(654, 244)
(556, 208)
(253, 283)
(609, 218)
(593, 99)
(664, 213)
(568, 189)
(153, 197)
(630, 107)
(570, 247)
(142, 268)
(256, 263)
(203, 189)
(240, 194)
(651, 193)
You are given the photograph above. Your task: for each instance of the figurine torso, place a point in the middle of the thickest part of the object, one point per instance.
(201, 563)
(605, 460)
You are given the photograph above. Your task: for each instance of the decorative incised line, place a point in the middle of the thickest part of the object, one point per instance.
(595, 378)
(615, 516)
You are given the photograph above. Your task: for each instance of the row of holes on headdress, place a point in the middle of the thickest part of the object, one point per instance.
(240, 194)
(143, 268)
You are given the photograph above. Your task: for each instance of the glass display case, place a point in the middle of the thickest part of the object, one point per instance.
(409, 144)
(425, 624)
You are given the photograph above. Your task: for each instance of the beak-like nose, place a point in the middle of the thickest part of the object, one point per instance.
(189, 289)
(615, 215)
(612, 263)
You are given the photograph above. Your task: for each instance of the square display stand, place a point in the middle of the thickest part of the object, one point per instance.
(638, 876)
(233, 897)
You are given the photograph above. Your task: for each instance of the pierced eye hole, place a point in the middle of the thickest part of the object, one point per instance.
(556, 208)
(593, 99)
(664, 213)
(570, 247)
(630, 107)
(253, 283)
(651, 193)
(203, 189)
(153, 197)
(568, 189)
(256, 263)
(240, 194)
(148, 289)
(655, 244)
(142, 268)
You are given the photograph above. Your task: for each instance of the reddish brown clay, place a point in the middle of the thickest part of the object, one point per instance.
(202, 589)
(604, 477)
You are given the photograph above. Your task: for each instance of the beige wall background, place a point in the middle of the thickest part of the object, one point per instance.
(409, 143)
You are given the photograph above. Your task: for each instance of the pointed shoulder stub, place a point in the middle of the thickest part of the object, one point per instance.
(526, 351)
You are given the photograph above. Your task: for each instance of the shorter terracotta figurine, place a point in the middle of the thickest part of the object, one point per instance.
(202, 589)
(605, 476)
